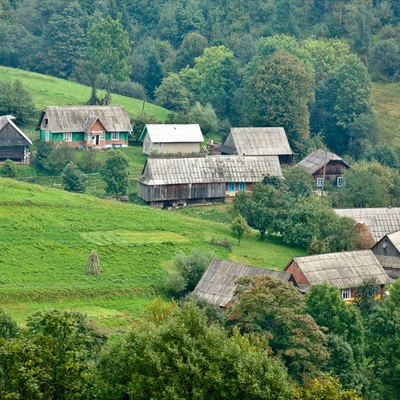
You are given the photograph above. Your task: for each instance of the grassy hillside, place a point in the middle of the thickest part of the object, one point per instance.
(50, 91)
(46, 236)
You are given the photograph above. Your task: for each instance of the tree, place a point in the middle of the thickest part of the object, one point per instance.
(115, 173)
(108, 51)
(192, 46)
(205, 116)
(277, 94)
(365, 295)
(8, 327)
(239, 228)
(275, 309)
(9, 169)
(73, 179)
(299, 181)
(153, 75)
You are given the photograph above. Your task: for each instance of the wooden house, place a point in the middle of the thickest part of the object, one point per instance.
(258, 142)
(380, 221)
(13, 142)
(325, 164)
(217, 285)
(169, 182)
(85, 126)
(345, 271)
(387, 251)
(171, 139)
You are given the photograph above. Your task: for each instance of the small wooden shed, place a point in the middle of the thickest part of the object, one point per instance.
(169, 182)
(13, 142)
(270, 141)
(325, 164)
(171, 139)
(345, 270)
(217, 285)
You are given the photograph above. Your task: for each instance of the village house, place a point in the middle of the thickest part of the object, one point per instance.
(387, 251)
(258, 142)
(13, 142)
(171, 139)
(85, 126)
(169, 182)
(217, 285)
(323, 164)
(345, 270)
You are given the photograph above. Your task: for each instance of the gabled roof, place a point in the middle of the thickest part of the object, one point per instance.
(211, 169)
(394, 238)
(18, 137)
(317, 159)
(380, 221)
(169, 133)
(217, 284)
(343, 270)
(256, 142)
(80, 118)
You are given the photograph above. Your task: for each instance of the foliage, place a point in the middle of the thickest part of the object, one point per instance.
(88, 162)
(52, 158)
(9, 169)
(73, 179)
(275, 309)
(140, 121)
(298, 181)
(365, 294)
(205, 116)
(115, 173)
(8, 327)
(239, 228)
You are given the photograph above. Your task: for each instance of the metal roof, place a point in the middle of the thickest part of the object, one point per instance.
(346, 269)
(380, 221)
(257, 142)
(114, 118)
(210, 169)
(317, 159)
(217, 284)
(169, 133)
(8, 119)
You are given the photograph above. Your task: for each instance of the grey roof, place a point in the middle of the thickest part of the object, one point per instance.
(210, 169)
(394, 238)
(80, 118)
(257, 142)
(380, 221)
(317, 159)
(343, 270)
(169, 133)
(23, 141)
(217, 284)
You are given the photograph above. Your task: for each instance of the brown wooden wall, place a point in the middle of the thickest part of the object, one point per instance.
(333, 170)
(297, 274)
(15, 153)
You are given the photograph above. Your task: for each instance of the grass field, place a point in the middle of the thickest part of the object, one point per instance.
(46, 236)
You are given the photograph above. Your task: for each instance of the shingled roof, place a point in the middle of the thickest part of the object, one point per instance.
(346, 269)
(173, 133)
(217, 284)
(172, 171)
(114, 118)
(256, 142)
(13, 137)
(380, 221)
(317, 159)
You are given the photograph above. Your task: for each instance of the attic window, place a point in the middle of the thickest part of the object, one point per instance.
(46, 122)
(346, 294)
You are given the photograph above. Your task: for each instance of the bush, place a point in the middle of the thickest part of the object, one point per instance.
(73, 179)
(9, 169)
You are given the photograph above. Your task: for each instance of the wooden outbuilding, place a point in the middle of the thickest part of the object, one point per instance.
(387, 251)
(217, 285)
(13, 142)
(323, 164)
(171, 139)
(345, 270)
(168, 182)
(269, 141)
(85, 126)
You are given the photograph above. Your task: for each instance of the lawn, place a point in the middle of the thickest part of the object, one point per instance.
(46, 236)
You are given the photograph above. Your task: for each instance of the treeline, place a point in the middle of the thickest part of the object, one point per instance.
(270, 343)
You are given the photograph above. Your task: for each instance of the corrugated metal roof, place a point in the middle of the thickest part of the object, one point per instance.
(172, 171)
(78, 118)
(346, 269)
(257, 142)
(317, 159)
(380, 221)
(169, 133)
(217, 284)
(8, 119)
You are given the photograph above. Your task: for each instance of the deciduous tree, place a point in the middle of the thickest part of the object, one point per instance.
(115, 173)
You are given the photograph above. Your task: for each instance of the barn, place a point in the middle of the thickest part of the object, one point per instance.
(13, 142)
(169, 182)
(387, 251)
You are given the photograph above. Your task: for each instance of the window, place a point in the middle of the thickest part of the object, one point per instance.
(242, 186)
(160, 146)
(114, 135)
(231, 187)
(320, 182)
(46, 122)
(346, 294)
(341, 181)
(68, 136)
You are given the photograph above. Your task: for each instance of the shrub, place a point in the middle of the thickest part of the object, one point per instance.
(9, 169)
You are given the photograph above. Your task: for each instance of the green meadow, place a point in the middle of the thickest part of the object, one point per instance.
(46, 236)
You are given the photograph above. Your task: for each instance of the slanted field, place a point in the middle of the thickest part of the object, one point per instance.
(46, 236)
